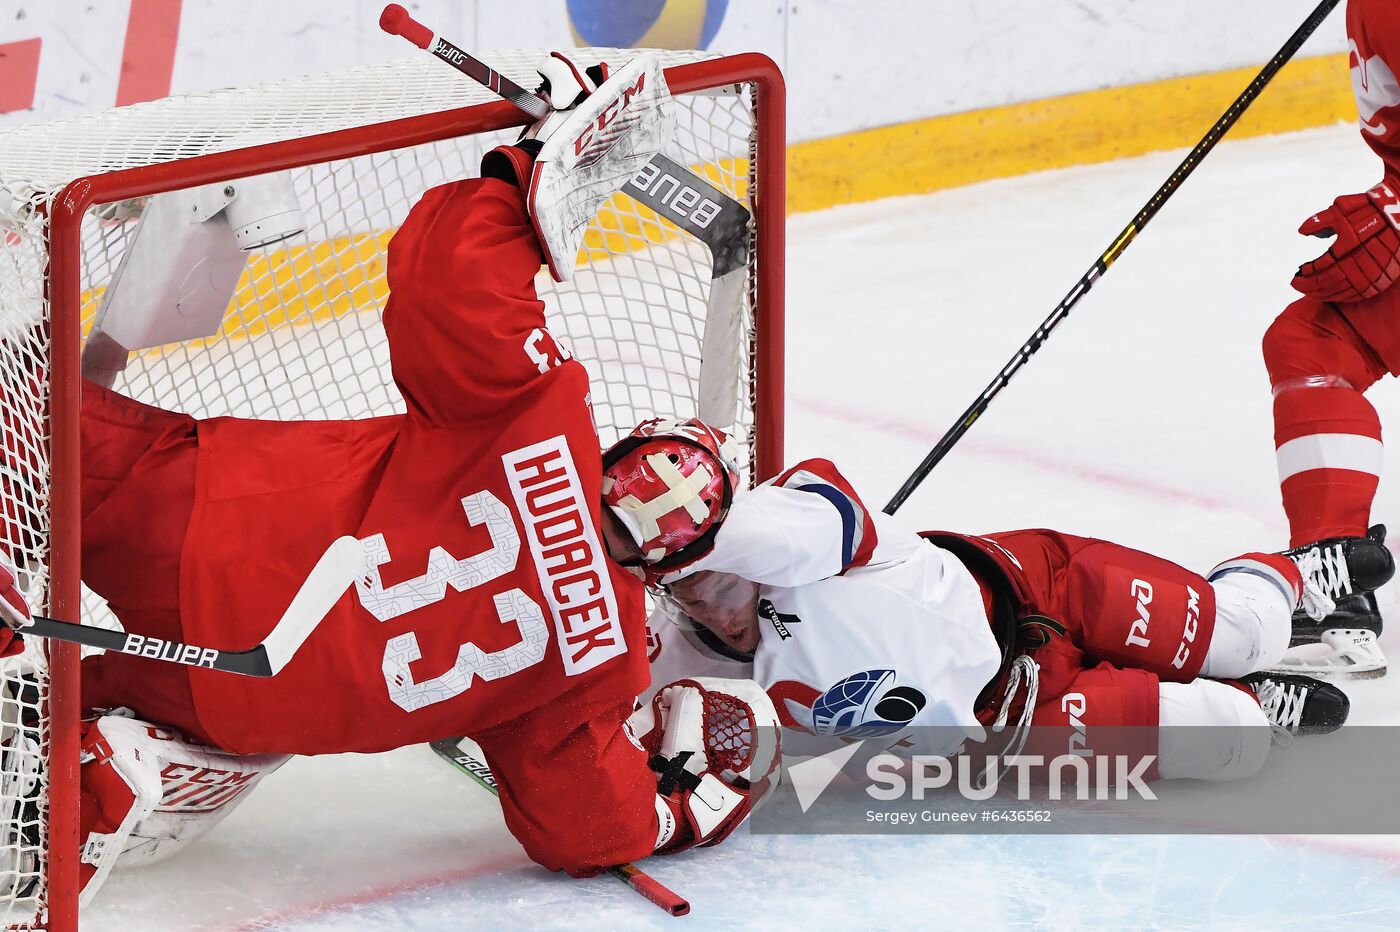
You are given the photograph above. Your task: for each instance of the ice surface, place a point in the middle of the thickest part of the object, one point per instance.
(1145, 419)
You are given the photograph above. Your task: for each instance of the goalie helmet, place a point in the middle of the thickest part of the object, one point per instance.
(670, 483)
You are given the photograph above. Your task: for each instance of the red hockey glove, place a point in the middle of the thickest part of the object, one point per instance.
(14, 609)
(1365, 258)
(714, 745)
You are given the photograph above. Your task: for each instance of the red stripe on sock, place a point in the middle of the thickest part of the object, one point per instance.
(1305, 411)
(1323, 503)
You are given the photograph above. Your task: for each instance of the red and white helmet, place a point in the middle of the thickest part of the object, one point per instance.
(670, 483)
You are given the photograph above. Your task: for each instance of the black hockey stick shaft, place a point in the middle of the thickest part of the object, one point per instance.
(335, 571)
(1110, 255)
(450, 750)
(253, 662)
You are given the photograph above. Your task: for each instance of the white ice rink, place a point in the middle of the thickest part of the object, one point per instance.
(1145, 419)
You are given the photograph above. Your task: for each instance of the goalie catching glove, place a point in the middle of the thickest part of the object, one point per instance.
(1365, 258)
(714, 745)
(606, 125)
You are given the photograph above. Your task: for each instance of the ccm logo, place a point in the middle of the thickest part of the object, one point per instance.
(609, 113)
(1390, 205)
(1193, 618)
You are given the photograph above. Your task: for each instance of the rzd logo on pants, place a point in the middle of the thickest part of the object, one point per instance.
(1137, 634)
(1074, 704)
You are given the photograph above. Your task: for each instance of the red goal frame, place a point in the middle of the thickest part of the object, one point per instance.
(64, 294)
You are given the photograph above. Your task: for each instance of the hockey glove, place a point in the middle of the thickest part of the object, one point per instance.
(1365, 258)
(563, 85)
(14, 608)
(715, 748)
(595, 139)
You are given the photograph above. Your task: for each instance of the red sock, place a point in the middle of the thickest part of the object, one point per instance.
(1328, 443)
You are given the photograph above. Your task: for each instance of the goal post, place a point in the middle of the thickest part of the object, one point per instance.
(300, 338)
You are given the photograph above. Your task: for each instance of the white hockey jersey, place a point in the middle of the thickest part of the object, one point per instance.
(865, 627)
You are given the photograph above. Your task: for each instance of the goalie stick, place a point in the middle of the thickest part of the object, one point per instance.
(336, 571)
(668, 188)
(452, 751)
(1110, 255)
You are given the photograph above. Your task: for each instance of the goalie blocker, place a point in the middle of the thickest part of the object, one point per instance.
(605, 127)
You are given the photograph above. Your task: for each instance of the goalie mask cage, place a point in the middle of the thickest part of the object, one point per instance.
(301, 338)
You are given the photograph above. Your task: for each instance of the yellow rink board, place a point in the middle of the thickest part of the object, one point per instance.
(1056, 132)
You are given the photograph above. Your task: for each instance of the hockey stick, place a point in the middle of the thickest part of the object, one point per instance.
(1110, 255)
(397, 21)
(725, 233)
(668, 188)
(451, 750)
(336, 571)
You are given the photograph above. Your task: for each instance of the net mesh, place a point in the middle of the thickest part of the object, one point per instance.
(302, 338)
(729, 731)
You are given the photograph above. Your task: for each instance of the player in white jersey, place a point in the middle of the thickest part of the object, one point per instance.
(855, 625)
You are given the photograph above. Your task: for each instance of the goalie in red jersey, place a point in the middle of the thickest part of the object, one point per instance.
(488, 605)
(1325, 350)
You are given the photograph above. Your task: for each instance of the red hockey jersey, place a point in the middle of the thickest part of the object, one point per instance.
(489, 607)
(1373, 31)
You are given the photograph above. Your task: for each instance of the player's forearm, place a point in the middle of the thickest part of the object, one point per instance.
(598, 830)
(463, 320)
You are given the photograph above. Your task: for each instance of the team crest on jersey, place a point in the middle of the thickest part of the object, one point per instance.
(866, 704)
(780, 620)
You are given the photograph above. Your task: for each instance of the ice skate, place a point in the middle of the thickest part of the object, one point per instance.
(1348, 570)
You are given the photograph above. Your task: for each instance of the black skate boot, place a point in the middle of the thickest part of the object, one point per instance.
(1299, 705)
(1348, 570)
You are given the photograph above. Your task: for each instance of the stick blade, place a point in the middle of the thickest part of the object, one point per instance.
(336, 571)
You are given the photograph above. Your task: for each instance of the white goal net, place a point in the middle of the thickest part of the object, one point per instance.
(301, 338)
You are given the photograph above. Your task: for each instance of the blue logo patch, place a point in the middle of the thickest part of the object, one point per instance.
(866, 704)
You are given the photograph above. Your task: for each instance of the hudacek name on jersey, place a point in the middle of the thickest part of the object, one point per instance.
(568, 556)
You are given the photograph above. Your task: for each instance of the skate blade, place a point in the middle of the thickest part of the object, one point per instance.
(1351, 652)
